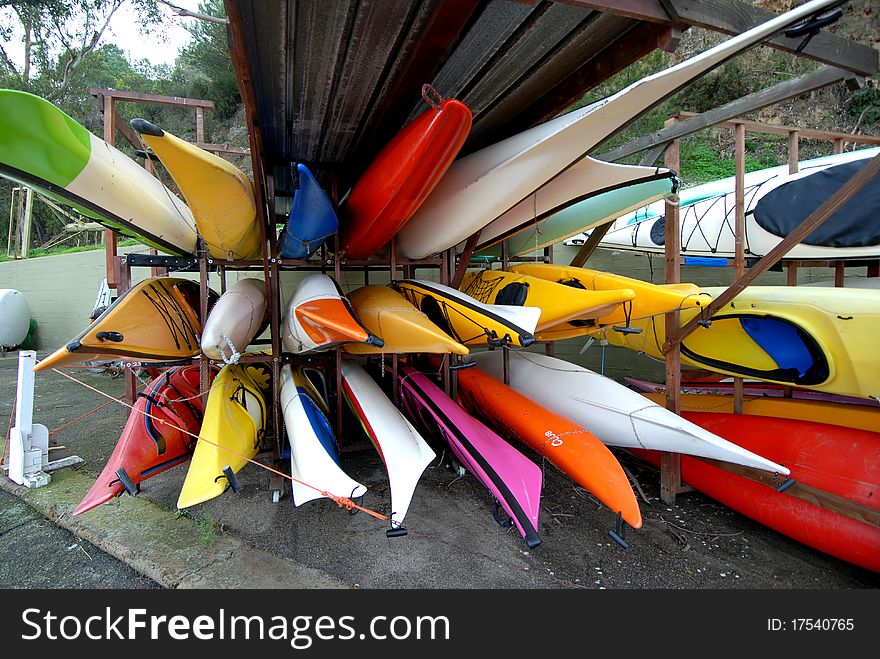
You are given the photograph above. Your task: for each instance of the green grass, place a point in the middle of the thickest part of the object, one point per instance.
(37, 252)
(700, 164)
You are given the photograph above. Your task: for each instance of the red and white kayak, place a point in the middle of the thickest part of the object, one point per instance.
(152, 440)
(402, 449)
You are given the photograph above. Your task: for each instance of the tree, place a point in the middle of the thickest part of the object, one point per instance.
(204, 65)
(56, 38)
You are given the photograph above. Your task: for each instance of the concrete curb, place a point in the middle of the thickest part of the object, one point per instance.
(175, 551)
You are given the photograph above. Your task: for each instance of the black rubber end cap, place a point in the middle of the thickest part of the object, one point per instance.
(397, 532)
(144, 127)
(526, 340)
(373, 340)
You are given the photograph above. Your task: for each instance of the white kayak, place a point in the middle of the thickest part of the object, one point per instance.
(775, 203)
(319, 317)
(400, 446)
(15, 318)
(235, 320)
(588, 194)
(314, 454)
(44, 148)
(485, 184)
(723, 186)
(615, 414)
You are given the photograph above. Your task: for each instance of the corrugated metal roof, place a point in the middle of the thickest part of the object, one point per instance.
(333, 80)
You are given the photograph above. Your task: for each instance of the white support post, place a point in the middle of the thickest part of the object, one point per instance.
(29, 442)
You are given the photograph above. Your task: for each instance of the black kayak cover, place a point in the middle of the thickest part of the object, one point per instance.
(855, 224)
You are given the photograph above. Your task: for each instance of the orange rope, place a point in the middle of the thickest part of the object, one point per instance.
(9, 428)
(342, 502)
(80, 418)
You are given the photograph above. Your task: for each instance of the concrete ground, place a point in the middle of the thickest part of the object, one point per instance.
(36, 553)
(241, 540)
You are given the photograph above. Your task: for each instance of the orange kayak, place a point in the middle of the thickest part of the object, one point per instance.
(569, 446)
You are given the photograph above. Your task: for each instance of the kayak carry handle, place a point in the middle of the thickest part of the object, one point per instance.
(787, 484)
(618, 533)
(810, 27)
(627, 329)
(116, 337)
(146, 155)
(432, 97)
(396, 531)
(461, 366)
(229, 475)
(126, 481)
(500, 516)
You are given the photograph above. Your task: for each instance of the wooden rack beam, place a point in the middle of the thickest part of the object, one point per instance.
(670, 463)
(804, 133)
(804, 84)
(735, 17)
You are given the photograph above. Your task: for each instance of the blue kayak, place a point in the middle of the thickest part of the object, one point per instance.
(312, 219)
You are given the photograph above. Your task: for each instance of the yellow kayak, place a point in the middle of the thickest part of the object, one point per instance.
(219, 194)
(558, 303)
(860, 417)
(155, 320)
(403, 328)
(470, 321)
(234, 423)
(649, 299)
(821, 339)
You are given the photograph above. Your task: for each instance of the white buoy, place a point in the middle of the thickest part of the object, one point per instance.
(15, 318)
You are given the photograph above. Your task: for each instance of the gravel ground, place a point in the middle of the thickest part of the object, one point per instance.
(453, 541)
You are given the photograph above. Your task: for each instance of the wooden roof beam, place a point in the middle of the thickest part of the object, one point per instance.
(632, 45)
(735, 17)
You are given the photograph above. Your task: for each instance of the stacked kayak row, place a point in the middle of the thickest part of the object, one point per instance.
(533, 189)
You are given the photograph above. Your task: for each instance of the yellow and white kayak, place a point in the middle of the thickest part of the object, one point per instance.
(403, 328)
(470, 321)
(233, 427)
(860, 417)
(219, 194)
(649, 299)
(155, 320)
(558, 303)
(817, 338)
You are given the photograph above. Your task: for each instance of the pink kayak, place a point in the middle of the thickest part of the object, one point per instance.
(725, 386)
(513, 479)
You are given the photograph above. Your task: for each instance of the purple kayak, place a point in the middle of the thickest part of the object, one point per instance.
(513, 479)
(749, 389)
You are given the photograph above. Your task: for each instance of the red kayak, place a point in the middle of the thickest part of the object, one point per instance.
(836, 464)
(147, 446)
(400, 178)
